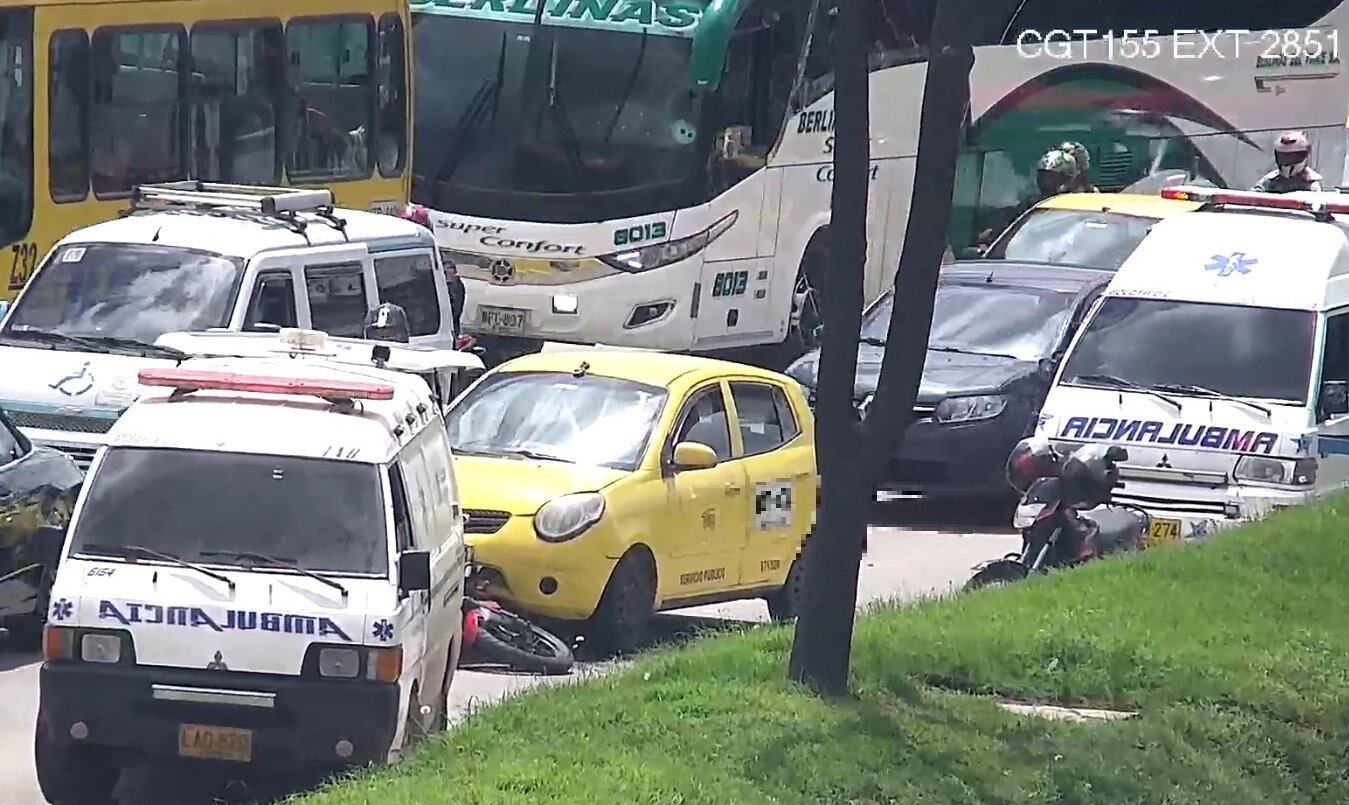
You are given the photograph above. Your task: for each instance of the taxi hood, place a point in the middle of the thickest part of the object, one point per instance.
(181, 618)
(522, 486)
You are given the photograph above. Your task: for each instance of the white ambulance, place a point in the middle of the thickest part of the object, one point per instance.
(264, 568)
(1219, 356)
(190, 256)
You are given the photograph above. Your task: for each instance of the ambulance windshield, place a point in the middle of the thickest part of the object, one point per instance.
(323, 515)
(1249, 352)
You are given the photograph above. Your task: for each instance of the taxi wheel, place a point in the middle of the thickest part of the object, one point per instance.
(72, 775)
(784, 604)
(623, 618)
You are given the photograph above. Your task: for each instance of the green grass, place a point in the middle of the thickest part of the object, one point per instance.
(1236, 653)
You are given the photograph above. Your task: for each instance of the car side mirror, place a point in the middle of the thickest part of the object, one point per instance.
(1334, 398)
(47, 544)
(414, 571)
(693, 456)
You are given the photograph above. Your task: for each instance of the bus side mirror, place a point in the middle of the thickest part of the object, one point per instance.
(1334, 398)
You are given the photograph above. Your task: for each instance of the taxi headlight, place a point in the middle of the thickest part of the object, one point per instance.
(105, 648)
(970, 409)
(657, 255)
(567, 517)
(1285, 471)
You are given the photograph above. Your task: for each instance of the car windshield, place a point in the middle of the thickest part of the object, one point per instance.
(607, 128)
(1093, 239)
(553, 415)
(324, 515)
(987, 319)
(128, 290)
(1252, 352)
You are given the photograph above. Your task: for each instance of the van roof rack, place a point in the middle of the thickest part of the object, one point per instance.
(279, 202)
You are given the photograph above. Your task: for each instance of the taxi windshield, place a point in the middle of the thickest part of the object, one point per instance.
(1089, 238)
(557, 416)
(127, 290)
(208, 507)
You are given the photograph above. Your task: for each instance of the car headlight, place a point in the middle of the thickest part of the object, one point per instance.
(567, 517)
(656, 255)
(1286, 471)
(970, 409)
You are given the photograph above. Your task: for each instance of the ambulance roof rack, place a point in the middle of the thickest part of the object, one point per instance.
(284, 203)
(1212, 198)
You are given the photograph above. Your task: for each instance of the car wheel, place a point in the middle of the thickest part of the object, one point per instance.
(784, 604)
(72, 775)
(623, 617)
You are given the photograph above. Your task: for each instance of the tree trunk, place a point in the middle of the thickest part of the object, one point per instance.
(851, 454)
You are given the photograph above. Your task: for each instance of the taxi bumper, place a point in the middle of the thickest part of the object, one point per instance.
(562, 581)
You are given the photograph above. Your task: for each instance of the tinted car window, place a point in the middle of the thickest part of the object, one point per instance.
(337, 303)
(409, 281)
(706, 422)
(757, 411)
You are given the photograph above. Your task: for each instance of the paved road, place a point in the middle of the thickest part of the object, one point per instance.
(902, 562)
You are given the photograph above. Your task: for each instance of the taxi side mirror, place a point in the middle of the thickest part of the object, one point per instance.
(414, 571)
(693, 456)
(1334, 398)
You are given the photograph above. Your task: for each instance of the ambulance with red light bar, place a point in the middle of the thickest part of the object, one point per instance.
(264, 569)
(191, 256)
(1219, 358)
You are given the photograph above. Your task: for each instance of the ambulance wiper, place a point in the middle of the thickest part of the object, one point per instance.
(276, 561)
(1201, 391)
(1121, 383)
(134, 551)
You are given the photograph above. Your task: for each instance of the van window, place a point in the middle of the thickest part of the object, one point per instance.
(332, 64)
(420, 493)
(409, 281)
(402, 525)
(1335, 363)
(137, 114)
(337, 299)
(68, 116)
(234, 101)
(273, 304)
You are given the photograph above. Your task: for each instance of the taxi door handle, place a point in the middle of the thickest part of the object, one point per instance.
(733, 490)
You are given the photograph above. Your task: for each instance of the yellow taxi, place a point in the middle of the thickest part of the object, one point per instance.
(1092, 230)
(606, 485)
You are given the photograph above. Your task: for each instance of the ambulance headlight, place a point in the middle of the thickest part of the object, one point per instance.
(104, 648)
(1284, 471)
(342, 663)
(970, 409)
(568, 517)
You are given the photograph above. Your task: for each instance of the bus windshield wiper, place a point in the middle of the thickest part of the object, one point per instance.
(1201, 391)
(142, 552)
(627, 88)
(1120, 383)
(482, 106)
(277, 561)
(146, 347)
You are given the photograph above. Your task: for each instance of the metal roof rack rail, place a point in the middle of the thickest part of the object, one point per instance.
(281, 202)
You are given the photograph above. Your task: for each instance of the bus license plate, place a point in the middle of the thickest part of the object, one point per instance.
(1161, 532)
(215, 743)
(504, 320)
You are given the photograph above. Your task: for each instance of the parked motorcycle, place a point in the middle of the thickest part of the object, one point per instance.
(1063, 517)
(493, 635)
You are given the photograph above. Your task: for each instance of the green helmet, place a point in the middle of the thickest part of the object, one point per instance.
(1078, 152)
(1055, 171)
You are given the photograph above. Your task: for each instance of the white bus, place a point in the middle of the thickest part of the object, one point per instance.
(658, 175)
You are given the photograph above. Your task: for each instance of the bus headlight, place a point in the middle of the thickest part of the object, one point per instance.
(1286, 471)
(568, 517)
(657, 255)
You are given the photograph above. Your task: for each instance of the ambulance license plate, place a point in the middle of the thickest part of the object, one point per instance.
(502, 320)
(1161, 532)
(215, 743)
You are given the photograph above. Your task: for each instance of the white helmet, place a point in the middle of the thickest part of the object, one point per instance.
(1291, 153)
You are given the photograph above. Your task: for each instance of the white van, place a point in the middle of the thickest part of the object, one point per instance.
(264, 568)
(1219, 357)
(191, 257)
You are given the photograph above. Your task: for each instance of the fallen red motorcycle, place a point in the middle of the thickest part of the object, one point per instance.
(496, 636)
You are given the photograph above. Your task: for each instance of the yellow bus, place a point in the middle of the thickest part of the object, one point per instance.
(98, 96)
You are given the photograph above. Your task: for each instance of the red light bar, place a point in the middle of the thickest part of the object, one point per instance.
(1240, 198)
(196, 380)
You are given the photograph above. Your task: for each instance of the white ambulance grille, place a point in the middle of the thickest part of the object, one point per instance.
(65, 422)
(1154, 505)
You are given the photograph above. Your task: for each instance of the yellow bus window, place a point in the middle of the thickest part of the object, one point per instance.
(233, 123)
(333, 64)
(16, 124)
(68, 115)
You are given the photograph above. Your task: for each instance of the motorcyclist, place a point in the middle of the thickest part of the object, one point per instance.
(1082, 180)
(1055, 173)
(1291, 172)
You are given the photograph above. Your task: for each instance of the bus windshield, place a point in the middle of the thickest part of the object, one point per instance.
(606, 127)
(126, 291)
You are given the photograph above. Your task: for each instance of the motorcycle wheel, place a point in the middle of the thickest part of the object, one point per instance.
(508, 639)
(1003, 571)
